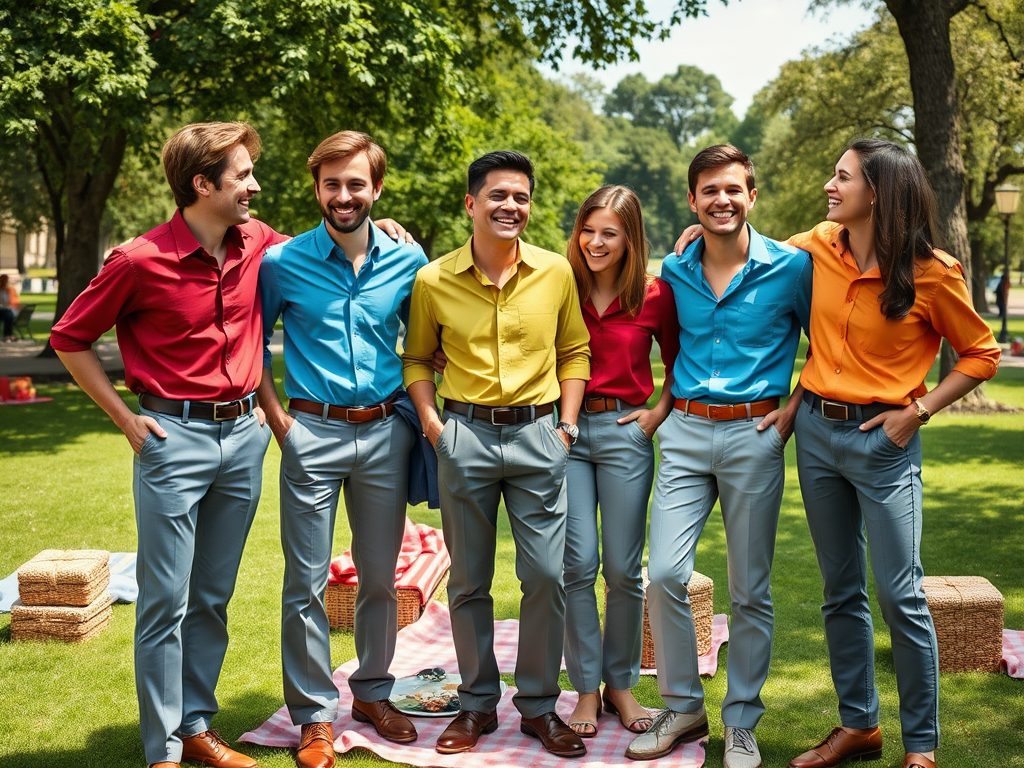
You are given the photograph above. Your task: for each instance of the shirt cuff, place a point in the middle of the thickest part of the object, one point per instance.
(62, 343)
(573, 369)
(977, 368)
(417, 372)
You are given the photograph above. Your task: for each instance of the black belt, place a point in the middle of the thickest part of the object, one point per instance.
(198, 409)
(341, 412)
(837, 410)
(499, 416)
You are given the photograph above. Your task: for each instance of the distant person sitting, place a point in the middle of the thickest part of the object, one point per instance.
(8, 303)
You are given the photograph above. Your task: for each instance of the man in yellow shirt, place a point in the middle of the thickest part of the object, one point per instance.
(508, 318)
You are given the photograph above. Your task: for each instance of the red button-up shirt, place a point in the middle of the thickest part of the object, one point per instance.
(187, 329)
(620, 345)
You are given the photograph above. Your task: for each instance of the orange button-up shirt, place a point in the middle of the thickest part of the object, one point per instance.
(859, 355)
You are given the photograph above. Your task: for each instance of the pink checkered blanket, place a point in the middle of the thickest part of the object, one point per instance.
(422, 562)
(1013, 652)
(428, 643)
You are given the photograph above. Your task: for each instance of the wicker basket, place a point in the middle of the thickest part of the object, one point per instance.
(75, 577)
(67, 623)
(968, 615)
(340, 602)
(702, 605)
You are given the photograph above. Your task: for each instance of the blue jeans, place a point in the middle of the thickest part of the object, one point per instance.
(860, 488)
(611, 466)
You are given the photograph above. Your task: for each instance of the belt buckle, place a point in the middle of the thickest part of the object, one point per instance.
(831, 410)
(714, 409)
(508, 410)
(218, 406)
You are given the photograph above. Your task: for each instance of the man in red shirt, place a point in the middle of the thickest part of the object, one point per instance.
(183, 298)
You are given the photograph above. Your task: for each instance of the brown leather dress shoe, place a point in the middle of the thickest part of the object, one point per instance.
(164, 764)
(555, 736)
(464, 731)
(839, 746)
(316, 748)
(209, 748)
(389, 722)
(917, 760)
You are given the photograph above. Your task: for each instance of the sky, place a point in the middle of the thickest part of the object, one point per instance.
(744, 43)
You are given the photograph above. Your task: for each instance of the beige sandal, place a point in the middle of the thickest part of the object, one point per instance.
(636, 725)
(586, 729)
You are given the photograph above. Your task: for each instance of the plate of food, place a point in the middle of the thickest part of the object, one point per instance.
(429, 693)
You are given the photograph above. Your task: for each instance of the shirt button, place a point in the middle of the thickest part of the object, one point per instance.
(714, 373)
(718, 341)
(837, 370)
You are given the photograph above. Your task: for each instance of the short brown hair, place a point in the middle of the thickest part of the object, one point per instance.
(202, 149)
(345, 144)
(718, 156)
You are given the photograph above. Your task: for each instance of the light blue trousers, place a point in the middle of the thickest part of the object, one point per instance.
(611, 467)
(479, 463)
(318, 459)
(702, 461)
(860, 489)
(196, 493)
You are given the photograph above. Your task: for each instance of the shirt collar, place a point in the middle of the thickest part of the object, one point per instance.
(186, 244)
(325, 246)
(757, 250)
(464, 256)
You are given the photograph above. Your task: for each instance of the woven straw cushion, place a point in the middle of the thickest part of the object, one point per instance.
(968, 615)
(70, 624)
(64, 577)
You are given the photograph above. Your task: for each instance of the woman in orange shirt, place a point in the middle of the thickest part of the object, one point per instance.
(883, 299)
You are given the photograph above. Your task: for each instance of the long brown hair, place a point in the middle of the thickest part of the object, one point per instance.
(631, 286)
(904, 214)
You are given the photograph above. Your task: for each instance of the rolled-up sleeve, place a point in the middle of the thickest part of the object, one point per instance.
(272, 304)
(98, 308)
(953, 316)
(422, 336)
(572, 340)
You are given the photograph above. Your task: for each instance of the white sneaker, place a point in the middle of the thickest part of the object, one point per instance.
(741, 749)
(668, 729)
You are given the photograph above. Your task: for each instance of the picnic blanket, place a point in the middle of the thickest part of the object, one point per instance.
(1013, 652)
(412, 570)
(123, 587)
(427, 643)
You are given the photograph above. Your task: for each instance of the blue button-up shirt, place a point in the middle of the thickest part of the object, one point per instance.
(741, 347)
(340, 329)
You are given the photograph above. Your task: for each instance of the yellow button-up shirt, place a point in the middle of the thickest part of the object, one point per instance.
(504, 347)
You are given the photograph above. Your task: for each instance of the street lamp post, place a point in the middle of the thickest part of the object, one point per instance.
(1007, 196)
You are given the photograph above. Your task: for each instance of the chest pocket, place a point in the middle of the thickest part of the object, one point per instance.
(755, 324)
(879, 336)
(536, 327)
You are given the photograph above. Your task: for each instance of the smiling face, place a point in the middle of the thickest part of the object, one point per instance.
(228, 200)
(501, 209)
(346, 192)
(722, 200)
(850, 197)
(603, 241)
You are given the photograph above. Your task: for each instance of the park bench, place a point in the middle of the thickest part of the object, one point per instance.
(21, 322)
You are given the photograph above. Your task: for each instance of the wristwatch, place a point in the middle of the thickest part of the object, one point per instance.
(570, 429)
(923, 414)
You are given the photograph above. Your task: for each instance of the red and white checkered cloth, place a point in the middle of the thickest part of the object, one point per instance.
(421, 563)
(1013, 652)
(428, 643)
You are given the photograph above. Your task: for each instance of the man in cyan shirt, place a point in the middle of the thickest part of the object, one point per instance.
(189, 328)
(742, 300)
(342, 290)
(508, 318)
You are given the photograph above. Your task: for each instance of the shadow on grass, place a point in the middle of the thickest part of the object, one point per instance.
(110, 745)
(973, 441)
(44, 427)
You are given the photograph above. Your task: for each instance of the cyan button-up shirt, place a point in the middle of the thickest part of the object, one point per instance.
(340, 329)
(741, 347)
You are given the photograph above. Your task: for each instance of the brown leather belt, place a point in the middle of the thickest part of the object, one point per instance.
(600, 404)
(728, 412)
(837, 410)
(499, 416)
(341, 412)
(198, 409)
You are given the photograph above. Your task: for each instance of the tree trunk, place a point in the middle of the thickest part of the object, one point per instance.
(979, 276)
(19, 249)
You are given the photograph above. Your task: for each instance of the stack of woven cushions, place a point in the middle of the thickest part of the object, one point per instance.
(62, 596)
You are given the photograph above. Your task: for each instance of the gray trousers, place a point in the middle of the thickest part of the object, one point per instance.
(196, 493)
(318, 459)
(611, 467)
(702, 461)
(860, 488)
(478, 463)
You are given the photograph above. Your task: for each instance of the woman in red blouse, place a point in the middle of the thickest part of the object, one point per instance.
(611, 466)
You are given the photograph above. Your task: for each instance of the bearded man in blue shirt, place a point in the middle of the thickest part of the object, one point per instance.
(742, 300)
(342, 290)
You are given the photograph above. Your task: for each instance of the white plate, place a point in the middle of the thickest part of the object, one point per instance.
(409, 693)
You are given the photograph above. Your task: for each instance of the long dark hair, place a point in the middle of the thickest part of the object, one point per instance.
(904, 215)
(633, 279)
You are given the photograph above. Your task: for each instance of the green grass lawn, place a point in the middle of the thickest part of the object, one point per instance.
(66, 483)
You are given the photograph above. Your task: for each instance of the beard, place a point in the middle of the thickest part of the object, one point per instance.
(349, 224)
